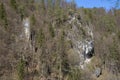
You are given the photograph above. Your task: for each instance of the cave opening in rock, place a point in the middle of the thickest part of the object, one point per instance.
(90, 54)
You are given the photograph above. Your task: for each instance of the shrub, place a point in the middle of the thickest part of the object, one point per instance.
(73, 57)
(21, 67)
(32, 20)
(109, 23)
(21, 11)
(114, 53)
(41, 37)
(75, 74)
(13, 4)
(3, 15)
(51, 29)
(118, 35)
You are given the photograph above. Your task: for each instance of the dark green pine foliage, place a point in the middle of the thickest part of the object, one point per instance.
(13, 4)
(51, 29)
(41, 37)
(3, 15)
(21, 71)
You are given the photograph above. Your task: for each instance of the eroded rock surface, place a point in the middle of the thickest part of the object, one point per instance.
(81, 36)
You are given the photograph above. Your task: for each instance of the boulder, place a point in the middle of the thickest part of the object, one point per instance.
(98, 72)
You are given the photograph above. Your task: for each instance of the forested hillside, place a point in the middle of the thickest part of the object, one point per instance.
(55, 40)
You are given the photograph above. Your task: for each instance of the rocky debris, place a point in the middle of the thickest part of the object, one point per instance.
(98, 72)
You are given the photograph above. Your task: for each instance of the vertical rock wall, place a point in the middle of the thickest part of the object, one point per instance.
(81, 36)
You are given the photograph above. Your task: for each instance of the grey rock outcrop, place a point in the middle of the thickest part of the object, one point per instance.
(98, 72)
(81, 36)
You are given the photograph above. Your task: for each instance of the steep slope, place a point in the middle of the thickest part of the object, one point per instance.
(42, 41)
(81, 36)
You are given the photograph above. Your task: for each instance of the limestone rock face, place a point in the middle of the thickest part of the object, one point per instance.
(81, 36)
(26, 24)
